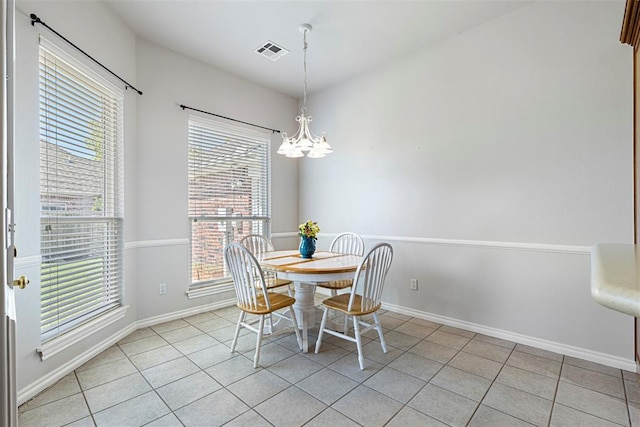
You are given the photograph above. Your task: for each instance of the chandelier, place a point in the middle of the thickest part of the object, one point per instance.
(304, 141)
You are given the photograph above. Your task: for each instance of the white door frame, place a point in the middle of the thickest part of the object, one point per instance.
(8, 392)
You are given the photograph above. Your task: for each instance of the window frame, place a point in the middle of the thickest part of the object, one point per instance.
(57, 114)
(202, 287)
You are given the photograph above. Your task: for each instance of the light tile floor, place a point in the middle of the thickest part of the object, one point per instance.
(181, 373)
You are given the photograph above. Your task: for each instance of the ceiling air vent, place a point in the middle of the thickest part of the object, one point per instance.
(271, 50)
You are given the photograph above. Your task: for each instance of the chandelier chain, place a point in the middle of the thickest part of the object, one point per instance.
(304, 48)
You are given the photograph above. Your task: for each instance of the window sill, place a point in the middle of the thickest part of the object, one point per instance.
(205, 291)
(66, 340)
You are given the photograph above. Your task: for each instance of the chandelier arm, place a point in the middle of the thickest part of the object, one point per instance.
(310, 135)
(298, 134)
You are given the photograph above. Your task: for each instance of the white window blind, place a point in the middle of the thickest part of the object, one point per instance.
(229, 170)
(80, 193)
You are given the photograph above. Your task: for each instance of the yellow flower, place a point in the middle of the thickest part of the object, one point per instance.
(309, 229)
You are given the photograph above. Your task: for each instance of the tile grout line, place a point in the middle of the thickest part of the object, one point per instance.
(206, 373)
(86, 402)
(154, 389)
(362, 383)
(240, 354)
(83, 390)
(491, 385)
(458, 351)
(439, 370)
(626, 398)
(251, 408)
(147, 381)
(595, 391)
(555, 392)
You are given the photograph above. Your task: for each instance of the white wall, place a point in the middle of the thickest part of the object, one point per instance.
(517, 131)
(170, 79)
(156, 223)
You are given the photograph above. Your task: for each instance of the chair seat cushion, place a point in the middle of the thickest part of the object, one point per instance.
(341, 302)
(276, 283)
(277, 301)
(336, 284)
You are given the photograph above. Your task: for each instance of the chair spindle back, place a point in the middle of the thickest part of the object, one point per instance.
(257, 244)
(370, 276)
(347, 243)
(248, 278)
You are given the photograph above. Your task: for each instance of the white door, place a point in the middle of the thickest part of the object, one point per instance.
(8, 404)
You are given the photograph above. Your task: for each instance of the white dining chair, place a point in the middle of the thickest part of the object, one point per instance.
(347, 243)
(257, 244)
(254, 298)
(364, 298)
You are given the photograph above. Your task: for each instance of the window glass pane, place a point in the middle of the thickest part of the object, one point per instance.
(228, 192)
(208, 239)
(80, 194)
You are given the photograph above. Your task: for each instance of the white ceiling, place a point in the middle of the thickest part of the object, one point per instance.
(348, 37)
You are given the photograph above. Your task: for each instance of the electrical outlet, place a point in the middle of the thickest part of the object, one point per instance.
(414, 284)
(162, 288)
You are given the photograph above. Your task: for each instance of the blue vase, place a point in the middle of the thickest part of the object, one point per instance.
(307, 246)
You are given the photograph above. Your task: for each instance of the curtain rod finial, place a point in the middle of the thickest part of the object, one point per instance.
(131, 87)
(34, 19)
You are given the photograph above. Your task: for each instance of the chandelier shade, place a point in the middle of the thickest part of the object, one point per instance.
(304, 142)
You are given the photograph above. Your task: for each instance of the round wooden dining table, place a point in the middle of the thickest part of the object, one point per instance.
(305, 274)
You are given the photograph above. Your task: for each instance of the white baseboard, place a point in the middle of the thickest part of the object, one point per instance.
(581, 353)
(57, 374)
(207, 291)
(155, 320)
(60, 372)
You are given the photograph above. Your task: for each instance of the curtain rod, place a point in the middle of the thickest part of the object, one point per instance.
(35, 19)
(229, 118)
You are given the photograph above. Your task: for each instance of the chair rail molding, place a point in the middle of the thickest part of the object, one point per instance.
(284, 235)
(533, 247)
(155, 243)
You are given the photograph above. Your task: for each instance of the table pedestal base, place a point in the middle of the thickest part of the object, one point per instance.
(305, 310)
